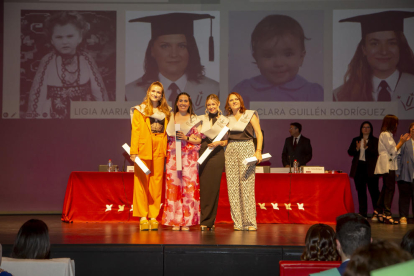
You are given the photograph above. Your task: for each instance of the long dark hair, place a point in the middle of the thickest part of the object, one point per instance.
(358, 78)
(32, 241)
(194, 70)
(320, 244)
(389, 123)
(190, 108)
(370, 134)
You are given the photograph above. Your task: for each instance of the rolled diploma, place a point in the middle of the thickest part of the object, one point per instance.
(140, 164)
(253, 160)
(208, 150)
(178, 163)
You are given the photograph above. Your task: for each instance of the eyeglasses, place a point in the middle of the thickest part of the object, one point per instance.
(366, 127)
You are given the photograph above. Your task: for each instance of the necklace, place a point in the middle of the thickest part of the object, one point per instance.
(67, 73)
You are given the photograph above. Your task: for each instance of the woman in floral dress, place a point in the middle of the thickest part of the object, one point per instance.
(182, 194)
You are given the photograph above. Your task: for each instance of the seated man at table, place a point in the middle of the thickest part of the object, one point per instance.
(352, 232)
(297, 147)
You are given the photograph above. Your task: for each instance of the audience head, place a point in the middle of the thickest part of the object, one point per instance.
(320, 244)
(375, 255)
(352, 231)
(32, 241)
(407, 242)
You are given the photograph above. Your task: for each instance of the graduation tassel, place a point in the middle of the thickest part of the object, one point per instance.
(211, 43)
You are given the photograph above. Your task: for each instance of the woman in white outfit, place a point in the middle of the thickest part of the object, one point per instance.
(387, 165)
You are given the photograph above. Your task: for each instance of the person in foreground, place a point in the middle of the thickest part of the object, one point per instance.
(352, 232)
(32, 241)
(405, 176)
(182, 190)
(375, 255)
(2, 271)
(320, 244)
(387, 165)
(212, 168)
(407, 242)
(243, 125)
(149, 143)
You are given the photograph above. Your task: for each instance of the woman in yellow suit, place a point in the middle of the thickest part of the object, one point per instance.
(149, 143)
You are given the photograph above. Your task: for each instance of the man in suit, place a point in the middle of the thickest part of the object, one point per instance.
(297, 147)
(352, 232)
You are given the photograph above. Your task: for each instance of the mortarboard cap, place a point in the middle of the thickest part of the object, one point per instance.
(177, 23)
(381, 21)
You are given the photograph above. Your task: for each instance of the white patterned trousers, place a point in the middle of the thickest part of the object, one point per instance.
(240, 183)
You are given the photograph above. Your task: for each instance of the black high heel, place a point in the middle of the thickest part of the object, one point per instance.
(381, 218)
(390, 220)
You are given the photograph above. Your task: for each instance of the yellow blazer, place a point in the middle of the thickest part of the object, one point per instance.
(141, 137)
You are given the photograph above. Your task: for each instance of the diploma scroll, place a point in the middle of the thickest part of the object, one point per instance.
(208, 150)
(178, 163)
(253, 160)
(140, 164)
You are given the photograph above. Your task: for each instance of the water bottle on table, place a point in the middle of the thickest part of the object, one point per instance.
(295, 166)
(109, 165)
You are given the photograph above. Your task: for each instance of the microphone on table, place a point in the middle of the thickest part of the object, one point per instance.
(290, 166)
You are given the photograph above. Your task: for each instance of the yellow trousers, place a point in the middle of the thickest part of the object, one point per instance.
(148, 188)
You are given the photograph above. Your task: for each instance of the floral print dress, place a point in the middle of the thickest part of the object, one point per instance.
(182, 193)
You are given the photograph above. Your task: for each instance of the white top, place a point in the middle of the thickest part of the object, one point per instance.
(387, 159)
(362, 150)
(391, 81)
(181, 83)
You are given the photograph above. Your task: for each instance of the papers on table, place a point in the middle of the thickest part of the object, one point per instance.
(208, 150)
(253, 160)
(140, 164)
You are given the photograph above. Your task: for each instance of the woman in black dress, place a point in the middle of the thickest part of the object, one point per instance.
(211, 169)
(364, 149)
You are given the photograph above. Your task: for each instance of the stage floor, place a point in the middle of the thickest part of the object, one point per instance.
(128, 233)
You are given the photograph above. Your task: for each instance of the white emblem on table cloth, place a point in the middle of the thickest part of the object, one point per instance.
(121, 208)
(262, 206)
(132, 208)
(108, 207)
(300, 206)
(275, 206)
(288, 206)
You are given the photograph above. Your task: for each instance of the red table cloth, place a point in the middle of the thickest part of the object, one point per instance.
(280, 198)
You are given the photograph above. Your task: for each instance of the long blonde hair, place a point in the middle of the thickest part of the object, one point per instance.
(163, 105)
(216, 99)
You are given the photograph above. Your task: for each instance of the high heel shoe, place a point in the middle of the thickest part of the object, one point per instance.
(153, 225)
(143, 225)
(251, 228)
(203, 227)
(374, 216)
(176, 228)
(237, 228)
(381, 218)
(185, 228)
(390, 220)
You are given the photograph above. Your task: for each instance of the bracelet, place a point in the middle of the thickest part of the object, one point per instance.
(259, 150)
(188, 138)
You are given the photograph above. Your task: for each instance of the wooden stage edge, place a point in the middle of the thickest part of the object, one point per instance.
(128, 233)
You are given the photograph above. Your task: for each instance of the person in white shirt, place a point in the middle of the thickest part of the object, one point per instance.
(405, 176)
(387, 165)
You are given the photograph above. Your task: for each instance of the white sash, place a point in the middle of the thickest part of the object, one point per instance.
(240, 125)
(212, 131)
(185, 127)
(141, 108)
